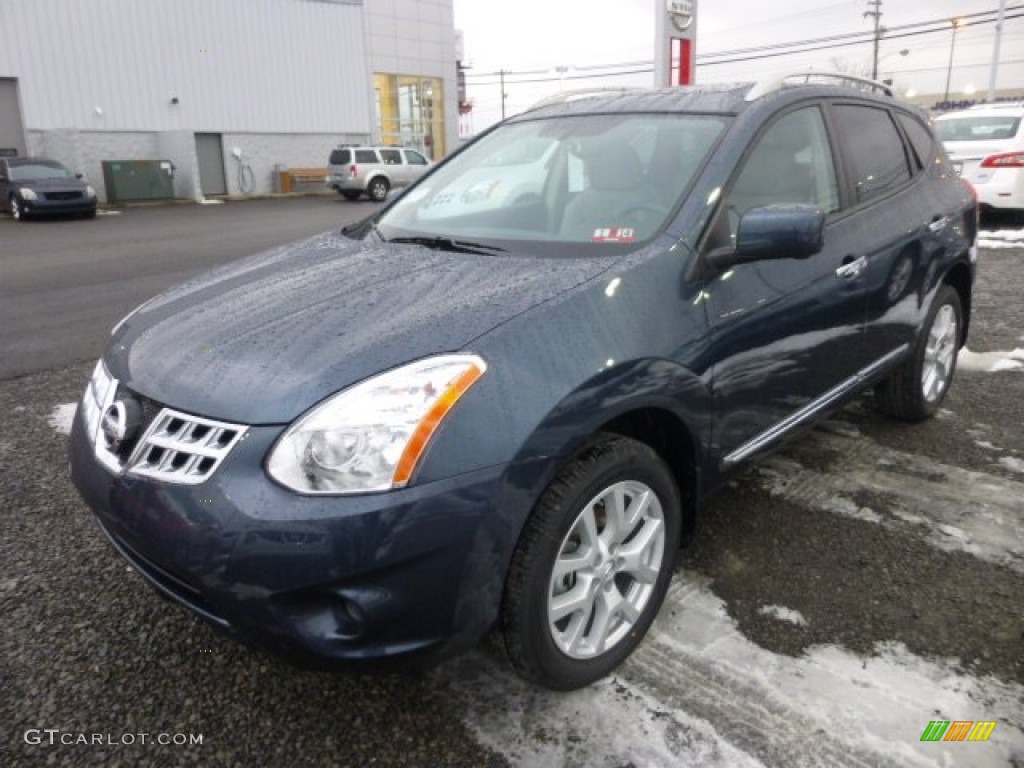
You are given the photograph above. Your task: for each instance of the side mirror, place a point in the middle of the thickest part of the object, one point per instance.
(783, 231)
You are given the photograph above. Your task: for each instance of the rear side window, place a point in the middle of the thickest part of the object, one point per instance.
(366, 156)
(391, 156)
(874, 151)
(414, 158)
(977, 128)
(341, 157)
(920, 138)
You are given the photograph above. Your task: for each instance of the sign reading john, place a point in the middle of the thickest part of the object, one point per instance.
(681, 12)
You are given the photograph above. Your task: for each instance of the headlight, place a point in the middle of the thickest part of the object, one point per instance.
(371, 436)
(89, 191)
(27, 194)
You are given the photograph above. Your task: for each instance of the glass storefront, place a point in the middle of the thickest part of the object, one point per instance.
(410, 112)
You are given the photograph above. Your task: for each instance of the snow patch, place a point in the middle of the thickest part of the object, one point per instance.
(989, 362)
(782, 613)
(1012, 463)
(1001, 238)
(698, 693)
(62, 417)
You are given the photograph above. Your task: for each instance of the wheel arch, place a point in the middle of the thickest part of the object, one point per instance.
(960, 279)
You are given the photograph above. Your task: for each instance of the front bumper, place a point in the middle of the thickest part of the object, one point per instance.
(43, 207)
(317, 579)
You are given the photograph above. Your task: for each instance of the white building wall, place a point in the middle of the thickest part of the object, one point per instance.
(272, 66)
(416, 37)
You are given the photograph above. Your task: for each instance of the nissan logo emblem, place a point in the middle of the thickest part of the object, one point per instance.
(119, 422)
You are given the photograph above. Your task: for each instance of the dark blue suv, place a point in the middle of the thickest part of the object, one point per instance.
(500, 401)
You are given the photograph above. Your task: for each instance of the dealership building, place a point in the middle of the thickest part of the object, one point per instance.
(220, 94)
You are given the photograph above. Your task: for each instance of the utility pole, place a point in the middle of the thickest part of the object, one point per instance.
(501, 73)
(876, 13)
(995, 53)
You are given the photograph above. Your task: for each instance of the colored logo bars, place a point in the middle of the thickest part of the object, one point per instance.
(958, 730)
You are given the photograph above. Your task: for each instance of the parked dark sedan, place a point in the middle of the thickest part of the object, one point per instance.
(453, 416)
(35, 186)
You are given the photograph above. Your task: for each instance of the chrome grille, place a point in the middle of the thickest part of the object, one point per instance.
(174, 447)
(181, 448)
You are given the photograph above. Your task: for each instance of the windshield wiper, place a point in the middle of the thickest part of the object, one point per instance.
(448, 244)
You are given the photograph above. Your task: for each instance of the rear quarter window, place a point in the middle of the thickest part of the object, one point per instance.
(873, 149)
(921, 138)
(341, 157)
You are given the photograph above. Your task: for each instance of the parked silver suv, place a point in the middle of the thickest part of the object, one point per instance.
(353, 170)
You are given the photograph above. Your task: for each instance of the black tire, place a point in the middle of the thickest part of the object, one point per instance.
(378, 189)
(90, 214)
(916, 390)
(529, 620)
(350, 194)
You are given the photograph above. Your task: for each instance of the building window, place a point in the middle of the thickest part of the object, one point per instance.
(410, 112)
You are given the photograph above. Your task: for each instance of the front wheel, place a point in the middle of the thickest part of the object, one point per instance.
(592, 566)
(16, 208)
(916, 390)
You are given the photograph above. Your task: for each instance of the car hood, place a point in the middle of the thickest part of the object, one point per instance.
(264, 339)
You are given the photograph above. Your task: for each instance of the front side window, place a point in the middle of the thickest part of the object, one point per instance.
(874, 150)
(39, 170)
(593, 179)
(790, 163)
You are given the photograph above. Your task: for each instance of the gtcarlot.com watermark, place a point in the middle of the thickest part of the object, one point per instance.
(55, 737)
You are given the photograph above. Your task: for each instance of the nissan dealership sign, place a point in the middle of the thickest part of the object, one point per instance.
(681, 12)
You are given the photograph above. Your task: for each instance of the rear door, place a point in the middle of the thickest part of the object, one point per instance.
(787, 333)
(894, 222)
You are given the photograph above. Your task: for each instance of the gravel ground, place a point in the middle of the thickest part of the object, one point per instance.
(89, 649)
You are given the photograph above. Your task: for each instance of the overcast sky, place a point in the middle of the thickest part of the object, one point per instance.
(522, 35)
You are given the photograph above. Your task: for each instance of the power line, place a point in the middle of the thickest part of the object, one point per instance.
(788, 48)
(766, 52)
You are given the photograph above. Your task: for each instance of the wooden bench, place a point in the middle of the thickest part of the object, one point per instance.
(293, 176)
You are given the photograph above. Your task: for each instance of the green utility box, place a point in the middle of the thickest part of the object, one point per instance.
(132, 180)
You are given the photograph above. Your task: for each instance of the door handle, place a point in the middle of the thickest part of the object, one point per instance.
(938, 224)
(852, 267)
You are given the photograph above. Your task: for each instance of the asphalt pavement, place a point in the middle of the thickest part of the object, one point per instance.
(840, 595)
(65, 282)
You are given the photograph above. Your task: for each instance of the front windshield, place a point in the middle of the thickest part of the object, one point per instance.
(591, 179)
(977, 128)
(38, 171)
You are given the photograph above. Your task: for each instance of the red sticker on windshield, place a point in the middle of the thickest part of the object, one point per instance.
(614, 235)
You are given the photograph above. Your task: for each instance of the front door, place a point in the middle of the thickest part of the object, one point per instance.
(210, 153)
(787, 332)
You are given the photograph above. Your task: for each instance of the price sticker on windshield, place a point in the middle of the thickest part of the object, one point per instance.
(614, 235)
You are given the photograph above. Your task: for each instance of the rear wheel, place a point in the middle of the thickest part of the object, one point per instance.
(592, 566)
(378, 190)
(916, 390)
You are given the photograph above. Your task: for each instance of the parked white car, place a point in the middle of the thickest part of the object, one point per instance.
(986, 145)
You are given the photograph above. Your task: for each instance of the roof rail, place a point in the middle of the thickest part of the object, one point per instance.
(582, 93)
(775, 83)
